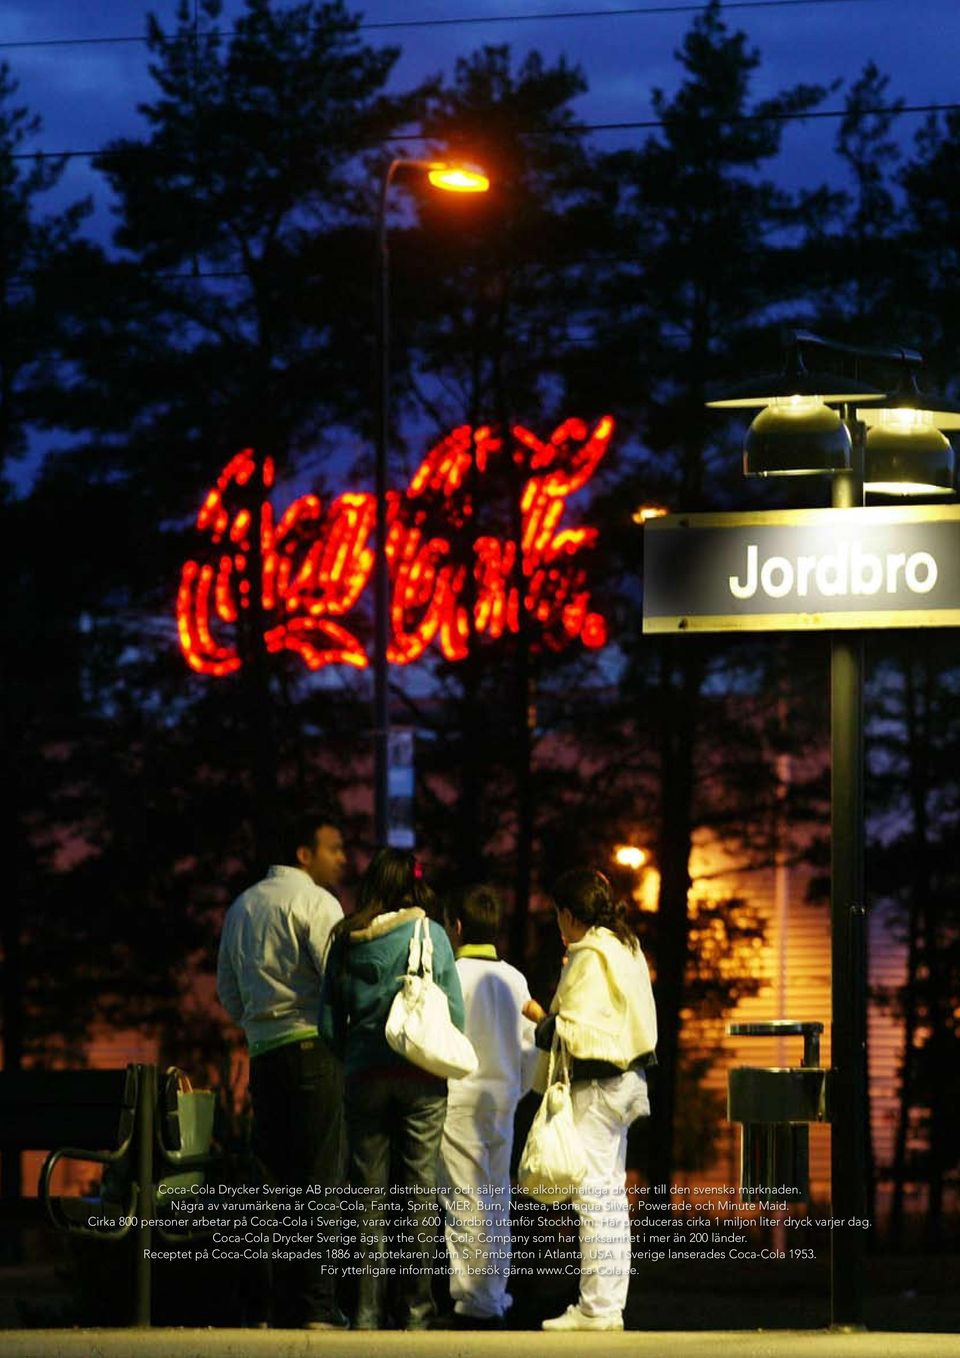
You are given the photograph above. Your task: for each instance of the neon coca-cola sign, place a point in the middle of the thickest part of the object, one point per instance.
(315, 562)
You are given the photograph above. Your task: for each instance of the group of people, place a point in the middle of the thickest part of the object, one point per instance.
(334, 1103)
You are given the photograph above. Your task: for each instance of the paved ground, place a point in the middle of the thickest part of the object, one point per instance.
(294, 1344)
(907, 1295)
(71, 1302)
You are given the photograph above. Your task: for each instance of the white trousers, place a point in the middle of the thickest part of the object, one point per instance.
(475, 1174)
(602, 1112)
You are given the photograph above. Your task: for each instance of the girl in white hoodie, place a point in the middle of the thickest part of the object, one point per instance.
(603, 1012)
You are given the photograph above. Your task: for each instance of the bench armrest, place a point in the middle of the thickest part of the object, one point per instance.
(51, 1203)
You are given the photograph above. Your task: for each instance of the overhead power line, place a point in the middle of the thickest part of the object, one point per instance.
(474, 20)
(637, 124)
(631, 11)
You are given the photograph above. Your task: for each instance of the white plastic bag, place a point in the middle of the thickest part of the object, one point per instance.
(419, 1025)
(553, 1164)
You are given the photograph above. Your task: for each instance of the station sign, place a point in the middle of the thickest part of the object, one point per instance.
(803, 570)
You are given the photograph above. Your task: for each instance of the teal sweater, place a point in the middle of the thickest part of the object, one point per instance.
(364, 971)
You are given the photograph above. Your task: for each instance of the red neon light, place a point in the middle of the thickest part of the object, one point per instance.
(316, 562)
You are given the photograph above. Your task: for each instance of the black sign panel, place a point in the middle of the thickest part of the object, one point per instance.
(791, 570)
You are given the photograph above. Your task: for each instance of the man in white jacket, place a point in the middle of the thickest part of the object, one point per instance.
(478, 1131)
(269, 977)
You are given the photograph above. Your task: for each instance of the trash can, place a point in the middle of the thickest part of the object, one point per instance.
(775, 1106)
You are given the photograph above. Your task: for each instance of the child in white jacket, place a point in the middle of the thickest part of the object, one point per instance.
(478, 1131)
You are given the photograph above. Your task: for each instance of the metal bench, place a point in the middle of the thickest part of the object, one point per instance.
(44, 1109)
(111, 1118)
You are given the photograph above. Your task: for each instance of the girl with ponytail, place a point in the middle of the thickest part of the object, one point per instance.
(603, 1012)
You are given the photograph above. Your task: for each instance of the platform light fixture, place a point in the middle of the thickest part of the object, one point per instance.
(449, 177)
(879, 441)
(798, 430)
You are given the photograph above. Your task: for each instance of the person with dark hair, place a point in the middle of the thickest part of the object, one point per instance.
(269, 978)
(603, 1012)
(394, 1110)
(328, 857)
(478, 1131)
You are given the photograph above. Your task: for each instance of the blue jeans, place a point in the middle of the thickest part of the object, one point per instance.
(394, 1124)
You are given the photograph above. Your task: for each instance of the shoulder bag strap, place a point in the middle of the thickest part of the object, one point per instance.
(427, 954)
(413, 956)
(555, 1062)
(559, 1064)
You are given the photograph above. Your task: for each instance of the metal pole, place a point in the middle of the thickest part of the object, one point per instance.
(849, 1100)
(381, 580)
(381, 587)
(143, 1235)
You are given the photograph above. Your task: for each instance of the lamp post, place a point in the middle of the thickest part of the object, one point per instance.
(451, 179)
(893, 444)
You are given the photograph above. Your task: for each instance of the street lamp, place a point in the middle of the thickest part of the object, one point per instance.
(448, 178)
(891, 443)
(645, 512)
(906, 452)
(630, 856)
(645, 891)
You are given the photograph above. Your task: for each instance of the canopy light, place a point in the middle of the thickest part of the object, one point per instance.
(458, 179)
(793, 380)
(906, 454)
(796, 436)
(905, 451)
(630, 856)
(909, 401)
(760, 391)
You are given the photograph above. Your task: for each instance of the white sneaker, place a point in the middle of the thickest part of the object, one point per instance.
(575, 1319)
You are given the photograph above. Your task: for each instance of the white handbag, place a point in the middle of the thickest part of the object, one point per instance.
(419, 1026)
(553, 1163)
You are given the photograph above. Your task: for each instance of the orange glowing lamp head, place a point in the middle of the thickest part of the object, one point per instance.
(458, 178)
(643, 513)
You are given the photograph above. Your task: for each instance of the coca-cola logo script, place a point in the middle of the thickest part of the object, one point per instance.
(316, 561)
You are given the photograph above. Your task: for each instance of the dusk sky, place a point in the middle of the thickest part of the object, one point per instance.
(87, 91)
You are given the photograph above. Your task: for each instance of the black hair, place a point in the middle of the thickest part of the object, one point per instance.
(478, 910)
(301, 833)
(588, 895)
(393, 881)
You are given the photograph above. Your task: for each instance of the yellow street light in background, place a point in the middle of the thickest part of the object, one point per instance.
(629, 856)
(644, 512)
(457, 178)
(646, 887)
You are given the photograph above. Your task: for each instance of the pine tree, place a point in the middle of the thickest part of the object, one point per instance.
(915, 805)
(710, 243)
(855, 255)
(38, 676)
(229, 316)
